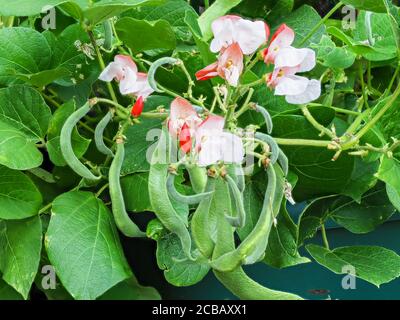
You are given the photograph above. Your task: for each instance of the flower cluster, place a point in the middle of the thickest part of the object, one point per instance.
(205, 139)
(131, 82)
(235, 37)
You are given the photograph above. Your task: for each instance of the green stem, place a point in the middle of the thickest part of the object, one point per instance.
(315, 123)
(319, 24)
(324, 237)
(303, 142)
(389, 89)
(102, 189)
(339, 110)
(363, 88)
(379, 115)
(245, 106)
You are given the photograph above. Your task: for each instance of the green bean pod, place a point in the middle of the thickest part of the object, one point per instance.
(252, 248)
(122, 220)
(99, 135)
(283, 162)
(200, 223)
(66, 144)
(198, 177)
(159, 197)
(267, 118)
(108, 35)
(240, 220)
(153, 69)
(272, 143)
(190, 200)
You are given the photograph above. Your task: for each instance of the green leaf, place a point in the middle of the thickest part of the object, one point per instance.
(30, 8)
(44, 78)
(19, 197)
(332, 56)
(394, 196)
(24, 119)
(130, 289)
(82, 243)
(172, 11)
(20, 247)
(141, 35)
(374, 209)
(216, 10)
(389, 172)
(376, 265)
(79, 144)
(385, 47)
(369, 5)
(24, 51)
(178, 270)
(7, 292)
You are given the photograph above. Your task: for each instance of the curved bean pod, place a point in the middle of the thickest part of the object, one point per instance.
(272, 143)
(240, 220)
(192, 199)
(153, 69)
(122, 220)
(159, 198)
(283, 162)
(99, 133)
(267, 118)
(66, 144)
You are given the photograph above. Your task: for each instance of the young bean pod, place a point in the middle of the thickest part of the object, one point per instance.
(122, 220)
(198, 177)
(283, 162)
(272, 143)
(253, 247)
(267, 118)
(159, 198)
(153, 69)
(66, 144)
(240, 220)
(108, 35)
(99, 135)
(192, 199)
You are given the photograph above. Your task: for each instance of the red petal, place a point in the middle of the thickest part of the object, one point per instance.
(137, 107)
(185, 140)
(208, 72)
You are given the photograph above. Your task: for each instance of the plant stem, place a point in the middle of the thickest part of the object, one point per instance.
(319, 24)
(102, 64)
(389, 89)
(339, 110)
(324, 237)
(303, 142)
(45, 208)
(363, 88)
(315, 123)
(245, 106)
(102, 190)
(379, 115)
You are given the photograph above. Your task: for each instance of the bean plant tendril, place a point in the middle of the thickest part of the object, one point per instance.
(227, 134)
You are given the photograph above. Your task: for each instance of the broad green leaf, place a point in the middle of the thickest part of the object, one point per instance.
(394, 196)
(7, 292)
(20, 246)
(19, 197)
(179, 273)
(31, 8)
(172, 11)
(82, 243)
(302, 21)
(376, 265)
(216, 10)
(374, 209)
(24, 119)
(369, 5)
(384, 42)
(24, 51)
(332, 56)
(79, 144)
(389, 172)
(141, 35)
(130, 289)
(45, 77)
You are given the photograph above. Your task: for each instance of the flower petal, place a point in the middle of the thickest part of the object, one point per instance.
(224, 32)
(127, 84)
(232, 148)
(112, 71)
(282, 38)
(302, 59)
(182, 112)
(312, 92)
(291, 85)
(208, 72)
(210, 152)
(230, 64)
(126, 62)
(251, 35)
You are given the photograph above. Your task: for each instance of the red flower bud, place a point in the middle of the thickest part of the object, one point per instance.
(185, 140)
(137, 108)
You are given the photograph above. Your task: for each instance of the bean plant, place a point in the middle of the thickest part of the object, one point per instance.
(197, 127)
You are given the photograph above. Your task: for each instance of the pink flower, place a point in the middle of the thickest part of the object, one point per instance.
(124, 70)
(229, 66)
(298, 90)
(281, 39)
(250, 35)
(212, 144)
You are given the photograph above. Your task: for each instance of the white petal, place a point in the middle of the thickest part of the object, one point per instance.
(210, 152)
(113, 70)
(250, 35)
(291, 85)
(312, 92)
(224, 34)
(128, 84)
(290, 57)
(232, 148)
(232, 75)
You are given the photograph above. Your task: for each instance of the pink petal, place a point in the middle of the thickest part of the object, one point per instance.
(182, 112)
(282, 38)
(230, 64)
(208, 72)
(126, 61)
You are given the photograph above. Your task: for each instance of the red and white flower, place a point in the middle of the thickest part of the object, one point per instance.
(230, 29)
(282, 38)
(296, 89)
(131, 82)
(211, 143)
(229, 66)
